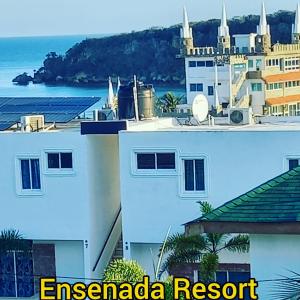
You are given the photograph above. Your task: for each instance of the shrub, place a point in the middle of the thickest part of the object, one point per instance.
(121, 270)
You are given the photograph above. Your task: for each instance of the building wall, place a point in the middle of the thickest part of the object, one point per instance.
(236, 162)
(104, 186)
(273, 256)
(60, 211)
(79, 205)
(207, 76)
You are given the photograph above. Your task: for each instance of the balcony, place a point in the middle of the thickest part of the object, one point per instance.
(254, 75)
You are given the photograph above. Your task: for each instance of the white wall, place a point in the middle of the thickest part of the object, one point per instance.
(60, 211)
(206, 76)
(104, 187)
(75, 206)
(69, 260)
(273, 256)
(236, 162)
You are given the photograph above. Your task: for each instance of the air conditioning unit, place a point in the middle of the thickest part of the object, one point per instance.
(32, 123)
(240, 116)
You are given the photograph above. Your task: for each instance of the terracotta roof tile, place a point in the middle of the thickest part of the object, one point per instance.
(283, 100)
(291, 76)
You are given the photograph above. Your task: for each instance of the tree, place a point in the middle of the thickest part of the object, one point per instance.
(288, 288)
(204, 248)
(12, 240)
(169, 101)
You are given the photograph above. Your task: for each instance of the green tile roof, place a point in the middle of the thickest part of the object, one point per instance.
(277, 200)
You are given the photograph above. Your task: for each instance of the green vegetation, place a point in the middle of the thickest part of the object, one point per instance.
(150, 54)
(287, 288)
(205, 248)
(121, 270)
(168, 102)
(11, 239)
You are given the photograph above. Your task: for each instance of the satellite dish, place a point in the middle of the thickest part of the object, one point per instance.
(200, 108)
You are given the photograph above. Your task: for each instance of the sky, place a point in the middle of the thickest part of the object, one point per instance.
(64, 17)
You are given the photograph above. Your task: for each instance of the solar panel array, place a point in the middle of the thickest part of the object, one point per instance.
(55, 109)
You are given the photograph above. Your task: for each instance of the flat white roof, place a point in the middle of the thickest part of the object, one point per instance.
(169, 124)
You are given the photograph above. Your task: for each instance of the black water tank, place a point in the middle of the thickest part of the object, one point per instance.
(145, 101)
(126, 102)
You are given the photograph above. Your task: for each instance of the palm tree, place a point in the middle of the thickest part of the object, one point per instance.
(169, 101)
(288, 288)
(204, 248)
(12, 240)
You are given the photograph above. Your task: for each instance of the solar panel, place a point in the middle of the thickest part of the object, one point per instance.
(55, 109)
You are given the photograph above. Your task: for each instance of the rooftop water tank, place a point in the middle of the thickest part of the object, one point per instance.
(145, 101)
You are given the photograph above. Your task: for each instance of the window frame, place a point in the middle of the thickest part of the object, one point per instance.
(193, 194)
(152, 172)
(58, 171)
(18, 175)
(287, 158)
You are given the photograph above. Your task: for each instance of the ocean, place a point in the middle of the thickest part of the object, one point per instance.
(25, 54)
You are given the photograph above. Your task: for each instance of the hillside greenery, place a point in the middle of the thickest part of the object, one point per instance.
(150, 54)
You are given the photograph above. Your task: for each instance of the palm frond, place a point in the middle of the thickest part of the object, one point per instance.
(287, 289)
(179, 242)
(239, 243)
(178, 258)
(11, 239)
(206, 207)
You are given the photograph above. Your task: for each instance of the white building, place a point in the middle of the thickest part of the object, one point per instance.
(166, 168)
(60, 189)
(244, 70)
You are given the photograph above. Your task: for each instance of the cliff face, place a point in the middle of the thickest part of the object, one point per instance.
(150, 54)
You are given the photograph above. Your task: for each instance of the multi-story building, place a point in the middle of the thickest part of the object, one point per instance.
(167, 168)
(245, 70)
(60, 189)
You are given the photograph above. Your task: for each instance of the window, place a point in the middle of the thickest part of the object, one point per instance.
(196, 87)
(30, 174)
(60, 160)
(256, 87)
(250, 63)
(200, 63)
(194, 175)
(293, 163)
(199, 87)
(210, 90)
(192, 64)
(155, 161)
(193, 87)
(209, 63)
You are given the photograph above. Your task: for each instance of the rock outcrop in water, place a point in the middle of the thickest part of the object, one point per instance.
(150, 54)
(23, 79)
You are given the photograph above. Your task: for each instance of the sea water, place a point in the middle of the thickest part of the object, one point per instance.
(25, 54)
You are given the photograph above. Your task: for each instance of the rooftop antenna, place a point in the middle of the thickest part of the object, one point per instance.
(217, 102)
(135, 97)
(111, 96)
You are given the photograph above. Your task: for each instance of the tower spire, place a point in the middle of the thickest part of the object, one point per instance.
(223, 28)
(186, 34)
(186, 30)
(296, 27)
(263, 28)
(223, 33)
(297, 20)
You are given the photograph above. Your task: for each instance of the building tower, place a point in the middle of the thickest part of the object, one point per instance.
(296, 27)
(186, 34)
(223, 33)
(263, 38)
